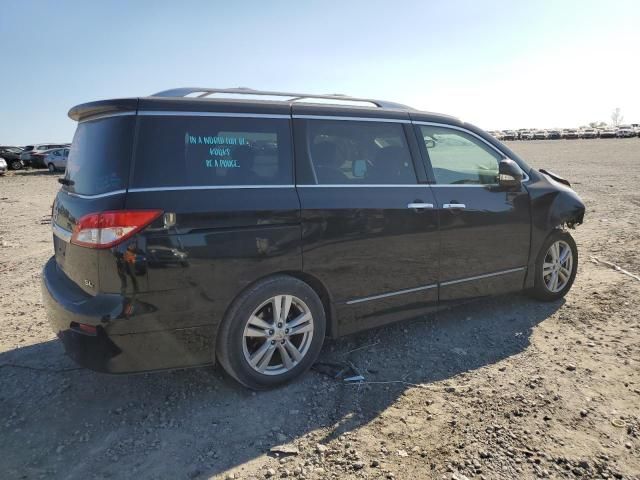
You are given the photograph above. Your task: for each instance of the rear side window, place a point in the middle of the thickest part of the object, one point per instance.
(212, 151)
(350, 152)
(100, 154)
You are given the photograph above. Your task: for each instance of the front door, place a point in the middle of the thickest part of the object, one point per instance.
(370, 230)
(484, 229)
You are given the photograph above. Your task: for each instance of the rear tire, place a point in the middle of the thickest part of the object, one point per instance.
(256, 342)
(15, 165)
(51, 168)
(556, 267)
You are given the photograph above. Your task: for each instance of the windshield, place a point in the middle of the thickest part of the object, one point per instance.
(99, 156)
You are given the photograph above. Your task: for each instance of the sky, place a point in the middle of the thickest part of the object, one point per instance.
(497, 64)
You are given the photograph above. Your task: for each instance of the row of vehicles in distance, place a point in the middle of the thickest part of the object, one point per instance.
(622, 131)
(52, 156)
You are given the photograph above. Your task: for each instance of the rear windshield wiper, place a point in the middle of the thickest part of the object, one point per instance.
(66, 181)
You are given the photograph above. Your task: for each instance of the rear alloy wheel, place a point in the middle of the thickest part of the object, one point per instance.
(51, 168)
(15, 165)
(272, 333)
(556, 267)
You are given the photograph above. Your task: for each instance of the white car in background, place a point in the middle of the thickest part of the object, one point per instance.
(3, 166)
(625, 131)
(56, 159)
(589, 133)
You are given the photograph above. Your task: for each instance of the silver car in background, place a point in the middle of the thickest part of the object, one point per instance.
(31, 156)
(56, 159)
(3, 166)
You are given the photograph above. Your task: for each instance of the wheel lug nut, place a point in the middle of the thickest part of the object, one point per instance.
(273, 342)
(279, 325)
(283, 342)
(270, 331)
(286, 330)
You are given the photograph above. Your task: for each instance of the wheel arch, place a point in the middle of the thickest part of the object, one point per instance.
(314, 283)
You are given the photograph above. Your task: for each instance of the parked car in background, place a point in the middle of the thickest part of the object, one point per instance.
(554, 135)
(3, 166)
(625, 131)
(608, 133)
(217, 243)
(27, 155)
(509, 135)
(526, 135)
(570, 133)
(12, 157)
(589, 133)
(56, 159)
(540, 135)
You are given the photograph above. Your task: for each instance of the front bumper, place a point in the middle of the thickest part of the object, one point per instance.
(68, 306)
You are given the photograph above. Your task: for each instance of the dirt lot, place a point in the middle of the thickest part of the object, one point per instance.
(501, 388)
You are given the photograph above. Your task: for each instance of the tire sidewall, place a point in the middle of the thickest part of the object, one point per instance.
(540, 288)
(230, 338)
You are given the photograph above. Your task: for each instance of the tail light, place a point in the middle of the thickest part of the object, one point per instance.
(106, 229)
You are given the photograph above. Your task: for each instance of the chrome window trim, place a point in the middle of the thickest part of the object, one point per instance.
(205, 187)
(100, 116)
(391, 294)
(479, 277)
(353, 119)
(185, 113)
(347, 185)
(454, 127)
(61, 233)
(97, 195)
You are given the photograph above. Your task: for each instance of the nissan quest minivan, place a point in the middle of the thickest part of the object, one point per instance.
(191, 227)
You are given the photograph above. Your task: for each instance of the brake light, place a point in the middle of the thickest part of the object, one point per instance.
(106, 229)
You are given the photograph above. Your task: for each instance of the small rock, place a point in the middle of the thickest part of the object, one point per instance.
(357, 465)
(571, 367)
(270, 473)
(402, 453)
(321, 448)
(583, 413)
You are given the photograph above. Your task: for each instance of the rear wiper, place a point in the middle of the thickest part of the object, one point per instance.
(66, 181)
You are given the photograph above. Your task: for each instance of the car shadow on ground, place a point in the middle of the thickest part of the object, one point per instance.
(64, 422)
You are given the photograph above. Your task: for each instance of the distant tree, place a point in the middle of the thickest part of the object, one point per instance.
(597, 124)
(616, 117)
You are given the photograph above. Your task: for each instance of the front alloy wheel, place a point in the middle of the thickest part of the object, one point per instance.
(557, 267)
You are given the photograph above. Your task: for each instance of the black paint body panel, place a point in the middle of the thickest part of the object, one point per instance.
(372, 259)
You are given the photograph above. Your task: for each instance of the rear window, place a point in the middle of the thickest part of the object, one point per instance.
(212, 151)
(100, 154)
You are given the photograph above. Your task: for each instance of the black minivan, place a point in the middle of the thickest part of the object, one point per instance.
(191, 228)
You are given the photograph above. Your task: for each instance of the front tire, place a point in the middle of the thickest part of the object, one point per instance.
(272, 333)
(556, 267)
(15, 165)
(51, 168)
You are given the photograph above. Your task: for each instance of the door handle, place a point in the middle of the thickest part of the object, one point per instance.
(454, 205)
(420, 205)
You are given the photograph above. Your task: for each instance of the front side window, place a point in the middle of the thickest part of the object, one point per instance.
(458, 158)
(350, 152)
(212, 151)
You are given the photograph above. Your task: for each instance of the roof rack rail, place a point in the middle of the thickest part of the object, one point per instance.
(293, 97)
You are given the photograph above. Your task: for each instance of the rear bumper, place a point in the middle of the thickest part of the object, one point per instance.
(135, 351)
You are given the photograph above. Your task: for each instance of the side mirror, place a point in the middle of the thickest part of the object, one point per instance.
(509, 174)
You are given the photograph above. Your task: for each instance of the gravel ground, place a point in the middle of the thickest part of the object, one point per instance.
(501, 388)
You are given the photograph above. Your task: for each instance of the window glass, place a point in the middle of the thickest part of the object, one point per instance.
(210, 151)
(100, 155)
(458, 158)
(350, 152)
